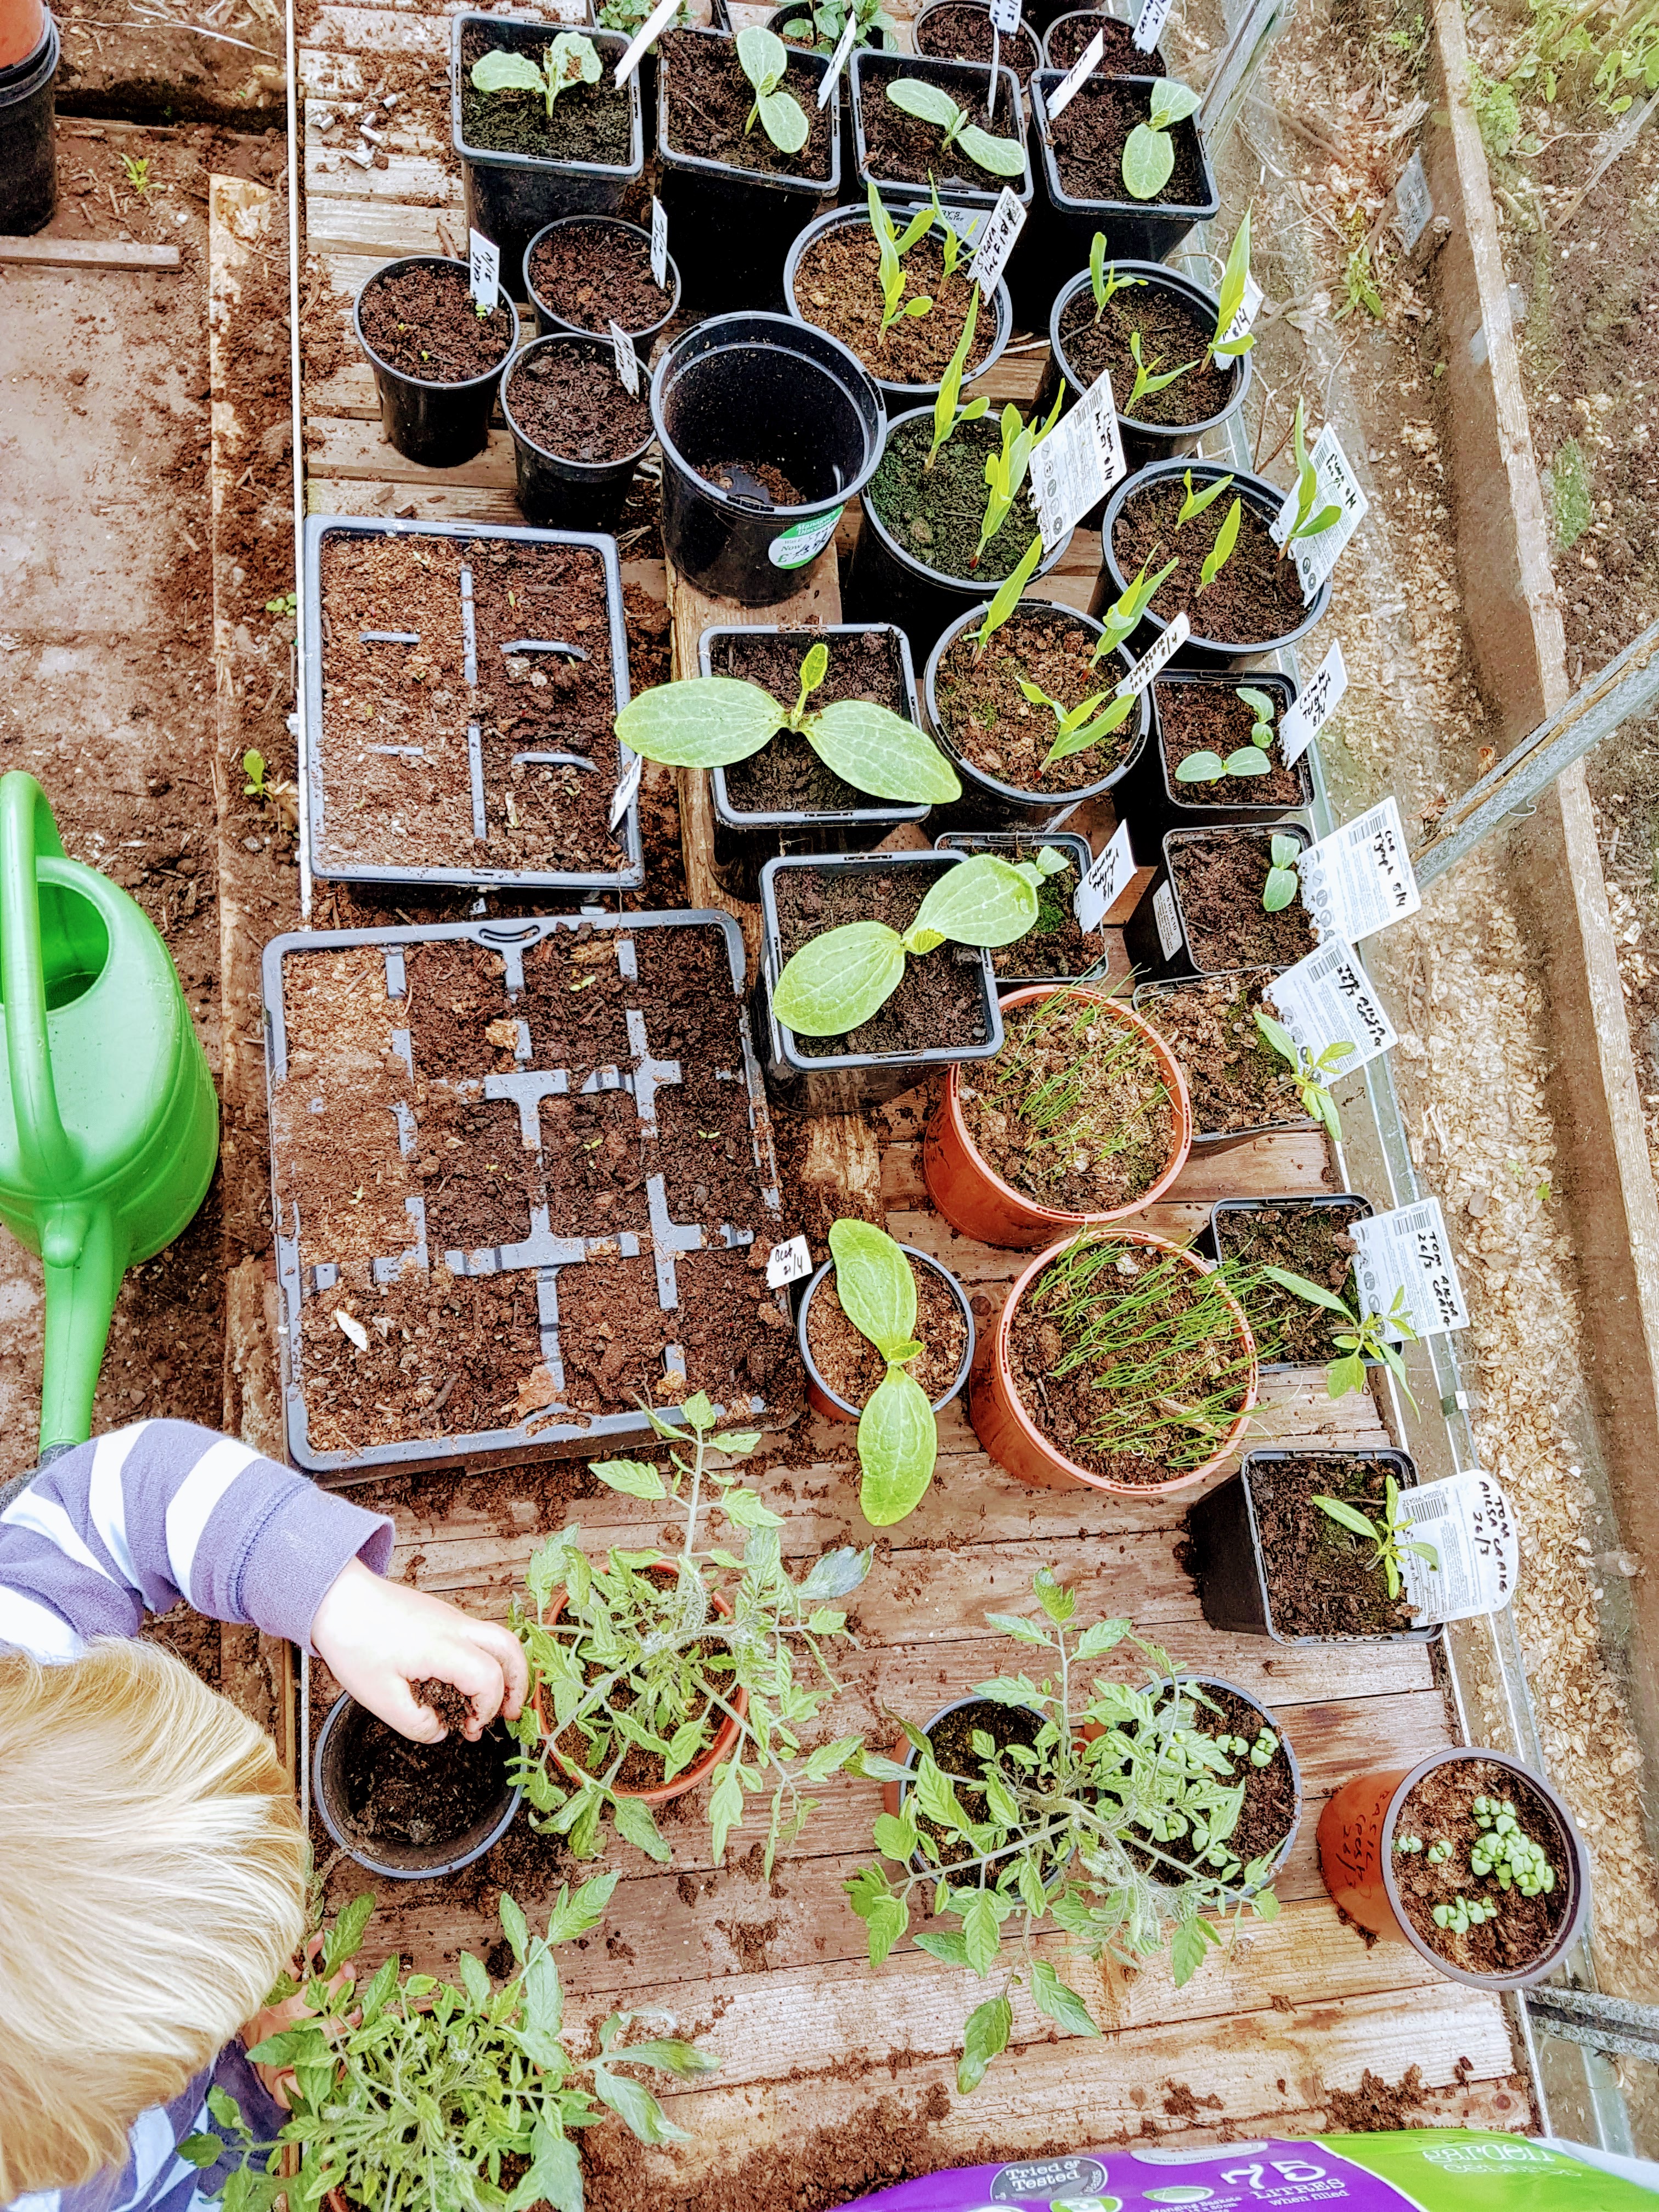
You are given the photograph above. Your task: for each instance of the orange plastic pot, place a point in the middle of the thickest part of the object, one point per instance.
(1355, 1861)
(1013, 1439)
(22, 27)
(725, 1739)
(977, 1202)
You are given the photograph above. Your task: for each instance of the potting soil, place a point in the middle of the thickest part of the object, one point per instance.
(423, 1794)
(936, 514)
(592, 274)
(574, 405)
(1311, 1241)
(988, 718)
(709, 102)
(838, 287)
(1171, 333)
(1322, 1579)
(423, 322)
(1219, 879)
(1069, 39)
(1235, 1078)
(1439, 1809)
(1255, 596)
(901, 148)
(589, 122)
(1091, 133)
(851, 1366)
(961, 33)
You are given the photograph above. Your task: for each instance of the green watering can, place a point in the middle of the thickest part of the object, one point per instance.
(109, 1128)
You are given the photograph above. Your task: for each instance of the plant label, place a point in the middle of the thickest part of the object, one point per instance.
(838, 59)
(1097, 893)
(1081, 71)
(627, 362)
(1149, 27)
(486, 259)
(1077, 463)
(1152, 662)
(1467, 1522)
(1302, 724)
(1327, 999)
(1360, 877)
(1409, 1250)
(1414, 209)
(1248, 307)
(997, 242)
(1168, 921)
(802, 541)
(659, 244)
(649, 31)
(1005, 17)
(628, 788)
(1339, 487)
(788, 1263)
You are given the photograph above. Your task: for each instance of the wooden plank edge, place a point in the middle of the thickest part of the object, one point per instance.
(116, 254)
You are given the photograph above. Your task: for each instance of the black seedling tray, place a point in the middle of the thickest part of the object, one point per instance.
(1147, 935)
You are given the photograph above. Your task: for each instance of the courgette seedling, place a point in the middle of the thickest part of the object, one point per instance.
(570, 59)
(764, 60)
(1388, 1538)
(1282, 881)
(1001, 157)
(897, 1435)
(1005, 472)
(1366, 1338)
(1149, 152)
(1253, 759)
(892, 245)
(1230, 298)
(1307, 522)
(1311, 1076)
(713, 722)
(1103, 279)
(843, 977)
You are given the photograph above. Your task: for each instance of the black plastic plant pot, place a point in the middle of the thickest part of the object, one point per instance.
(1147, 1000)
(1205, 1720)
(1135, 230)
(1227, 1564)
(894, 395)
(819, 1075)
(1023, 54)
(1008, 842)
(746, 839)
(28, 138)
(471, 736)
(510, 197)
(1066, 40)
(878, 40)
(987, 801)
(733, 228)
(748, 391)
(1213, 1240)
(534, 1280)
(904, 1752)
(438, 425)
(555, 491)
(1151, 797)
(924, 1260)
(1155, 935)
(1142, 441)
(336, 1776)
(1265, 499)
(548, 321)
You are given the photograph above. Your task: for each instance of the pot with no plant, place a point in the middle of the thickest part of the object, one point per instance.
(1069, 37)
(830, 755)
(1215, 756)
(1120, 1363)
(540, 127)
(578, 433)
(583, 272)
(405, 2091)
(649, 1675)
(1467, 1857)
(437, 355)
(413, 1811)
(1124, 157)
(1242, 1081)
(1056, 949)
(1222, 898)
(1140, 1821)
(1080, 1119)
(960, 31)
(887, 1337)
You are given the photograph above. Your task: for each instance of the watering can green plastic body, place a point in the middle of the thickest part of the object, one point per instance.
(109, 1126)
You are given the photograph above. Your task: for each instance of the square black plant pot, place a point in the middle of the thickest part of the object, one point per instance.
(1148, 998)
(382, 1107)
(1010, 970)
(476, 756)
(1135, 230)
(1154, 937)
(1149, 797)
(1214, 1238)
(820, 1075)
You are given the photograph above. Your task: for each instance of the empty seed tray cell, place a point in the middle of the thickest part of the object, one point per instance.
(524, 1182)
(462, 688)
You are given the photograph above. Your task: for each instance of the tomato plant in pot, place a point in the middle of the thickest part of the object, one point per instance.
(1056, 949)
(583, 272)
(1124, 157)
(1216, 757)
(1222, 898)
(1081, 1119)
(437, 356)
(1467, 1857)
(1119, 1362)
(650, 1673)
(1138, 1819)
(412, 1811)
(404, 2091)
(1240, 1086)
(960, 31)
(578, 433)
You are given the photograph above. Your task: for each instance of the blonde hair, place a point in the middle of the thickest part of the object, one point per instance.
(152, 1885)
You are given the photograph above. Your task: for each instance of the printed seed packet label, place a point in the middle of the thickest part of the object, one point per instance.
(1466, 1524)
(802, 541)
(1005, 17)
(627, 361)
(1097, 893)
(1408, 1250)
(1339, 487)
(1168, 921)
(659, 244)
(1077, 463)
(1414, 208)
(1149, 28)
(628, 788)
(1327, 999)
(1360, 878)
(788, 1263)
(486, 269)
(1247, 309)
(1302, 724)
(838, 59)
(1153, 661)
(649, 31)
(1079, 75)
(997, 242)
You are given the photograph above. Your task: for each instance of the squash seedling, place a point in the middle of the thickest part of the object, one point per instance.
(1149, 151)
(1005, 472)
(1312, 1077)
(1365, 1339)
(1282, 880)
(897, 1435)
(1001, 157)
(713, 721)
(1253, 759)
(948, 414)
(1230, 298)
(765, 59)
(1103, 279)
(570, 59)
(1388, 1539)
(893, 244)
(1306, 523)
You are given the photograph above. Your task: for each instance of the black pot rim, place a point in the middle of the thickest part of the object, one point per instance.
(588, 343)
(958, 195)
(1261, 816)
(25, 78)
(338, 1713)
(1427, 1633)
(705, 165)
(939, 577)
(923, 1259)
(921, 1862)
(1269, 829)
(981, 7)
(503, 299)
(1159, 275)
(606, 222)
(529, 164)
(1068, 204)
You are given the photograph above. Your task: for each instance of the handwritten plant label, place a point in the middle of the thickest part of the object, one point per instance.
(1005, 17)
(838, 59)
(627, 361)
(648, 32)
(1409, 1250)
(1327, 999)
(1167, 920)
(1466, 1522)
(1301, 724)
(1413, 207)
(486, 270)
(659, 244)
(627, 789)
(1339, 487)
(1149, 24)
(997, 242)
(788, 1263)
(1152, 662)
(1249, 308)
(1077, 463)
(1360, 877)
(1077, 75)
(1097, 894)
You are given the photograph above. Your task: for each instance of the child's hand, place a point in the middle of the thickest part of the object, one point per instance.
(378, 1637)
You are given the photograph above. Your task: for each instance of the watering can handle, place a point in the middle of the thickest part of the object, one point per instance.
(27, 832)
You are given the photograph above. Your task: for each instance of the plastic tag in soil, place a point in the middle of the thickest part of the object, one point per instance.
(1302, 723)
(1098, 892)
(1359, 879)
(627, 361)
(486, 270)
(997, 242)
(628, 788)
(1077, 75)
(1149, 28)
(1339, 487)
(838, 59)
(649, 31)
(1005, 17)
(1248, 307)
(788, 1263)
(1153, 661)
(1466, 1522)
(1408, 1250)
(1076, 464)
(1327, 999)
(659, 244)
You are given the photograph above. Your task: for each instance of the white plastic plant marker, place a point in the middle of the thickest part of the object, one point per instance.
(659, 244)
(996, 73)
(1360, 877)
(788, 1263)
(1167, 920)
(649, 31)
(1110, 869)
(1247, 309)
(997, 242)
(1153, 661)
(1149, 24)
(1005, 16)
(1077, 463)
(1301, 724)
(1339, 487)
(1467, 1523)
(628, 786)
(627, 361)
(1076, 77)
(1413, 207)
(838, 59)
(485, 269)
(1327, 999)
(1408, 1250)
(349, 1326)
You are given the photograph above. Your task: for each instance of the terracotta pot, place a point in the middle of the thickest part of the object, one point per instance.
(1355, 1861)
(1013, 1439)
(976, 1200)
(726, 1736)
(22, 27)
(822, 1399)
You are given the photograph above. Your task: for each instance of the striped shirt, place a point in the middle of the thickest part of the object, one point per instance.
(128, 1524)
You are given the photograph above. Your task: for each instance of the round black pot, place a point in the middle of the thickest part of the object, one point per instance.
(885, 583)
(547, 322)
(1155, 935)
(28, 139)
(986, 800)
(1204, 1720)
(1089, 21)
(555, 491)
(1152, 799)
(439, 425)
(1135, 230)
(894, 395)
(1023, 54)
(905, 1753)
(403, 1861)
(764, 390)
(1265, 499)
(833, 1405)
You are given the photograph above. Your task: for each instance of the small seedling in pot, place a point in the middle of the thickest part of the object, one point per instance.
(1505, 1853)
(1259, 1753)
(1123, 618)
(1007, 595)
(1079, 727)
(1367, 1338)
(1103, 279)
(764, 60)
(1390, 1541)
(1253, 759)
(285, 603)
(844, 976)
(948, 412)
(713, 722)
(893, 244)
(631, 16)
(1407, 1846)
(1307, 522)
(1001, 157)
(1312, 1076)
(1196, 502)
(1006, 472)
(1149, 151)
(827, 21)
(1464, 1913)
(1230, 298)
(1221, 552)
(1147, 383)
(1282, 881)
(897, 1435)
(570, 59)
(1056, 1062)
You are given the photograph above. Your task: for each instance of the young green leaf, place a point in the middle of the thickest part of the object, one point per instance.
(1147, 385)
(926, 102)
(898, 1445)
(1059, 2002)
(985, 2037)
(1219, 555)
(504, 72)
(705, 721)
(1148, 152)
(1001, 157)
(1315, 1293)
(946, 411)
(982, 902)
(1283, 881)
(1079, 741)
(1346, 1516)
(874, 1282)
(1230, 298)
(880, 752)
(839, 979)
(1191, 1940)
(765, 59)
(1200, 768)
(1196, 502)
(633, 1478)
(1007, 595)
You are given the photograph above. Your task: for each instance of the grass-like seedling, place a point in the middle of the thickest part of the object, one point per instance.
(135, 168)
(1312, 1074)
(893, 244)
(1007, 595)
(1006, 472)
(1103, 279)
(764, 60)
(1148, 152)
(1253, 759)
(897, 1435)
(1001, 157)
(1221, 552)
(1309, 521)
(1230, 298)
(1054, 1112)
(571, 59)
(1366, 1338)
(1123, 618)
(1196, 502)
(1077, 727)
(1388, 1538)
(1146, 381)
(948, 411)
(1282, 882)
